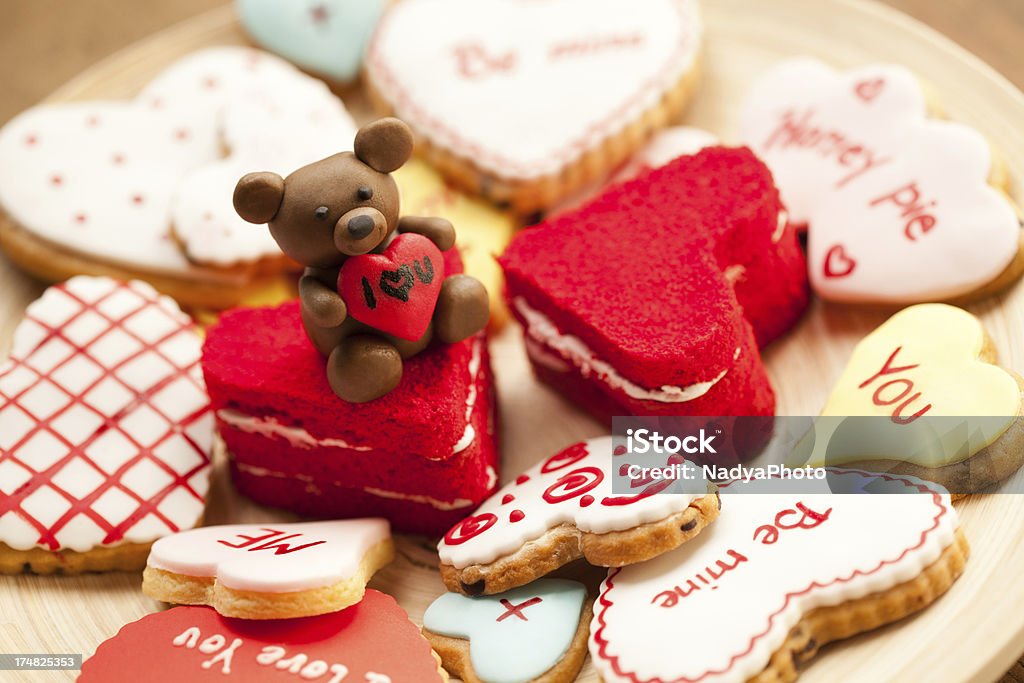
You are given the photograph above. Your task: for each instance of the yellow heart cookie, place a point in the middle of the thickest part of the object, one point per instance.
(483, 231)
(927, 361)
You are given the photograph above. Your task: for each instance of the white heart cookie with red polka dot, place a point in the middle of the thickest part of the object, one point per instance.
(732, 607)
(898, 205)
(147, 183)
(565, 508)
(105, 425)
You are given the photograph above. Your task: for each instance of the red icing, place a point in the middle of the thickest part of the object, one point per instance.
(78, 449)
(469, 528)
(363, 638)
(522, 479)
(869, 90)
(689, 222)
(838, 263)
(395, 291)
(512, 610)
(516, 516)
(507, 498)
(888, 393)
(566, 458)
(573, 485)
(259, 362)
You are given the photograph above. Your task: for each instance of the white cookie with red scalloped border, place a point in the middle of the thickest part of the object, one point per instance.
(791, 566)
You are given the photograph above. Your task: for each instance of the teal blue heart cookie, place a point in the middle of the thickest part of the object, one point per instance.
(327, 37)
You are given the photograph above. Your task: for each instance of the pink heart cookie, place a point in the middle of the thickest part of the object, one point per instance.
(507, 92)
(356, 645)
(898, 205)
(791, 566)
(563, 509)
(105, 429)
(274, 571)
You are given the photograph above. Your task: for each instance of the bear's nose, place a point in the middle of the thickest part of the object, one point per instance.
(360, 226)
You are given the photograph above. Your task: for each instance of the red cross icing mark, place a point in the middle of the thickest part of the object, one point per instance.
(138, 199)
(31, 140)
(319, 14)
(181, 135)
(56, 180)
(517, 610)
(117, 159)
(92, 121)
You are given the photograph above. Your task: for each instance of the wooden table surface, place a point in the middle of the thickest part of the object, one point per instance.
(44, 43)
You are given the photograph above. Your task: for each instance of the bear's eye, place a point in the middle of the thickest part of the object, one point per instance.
(321, 213)
(365, 193)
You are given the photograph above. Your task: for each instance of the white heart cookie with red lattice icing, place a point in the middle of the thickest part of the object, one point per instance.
(274, 571)
(527, 90)
(565, 508)
(789, 567)
(898, 205)
(105, 428)
(146, 184)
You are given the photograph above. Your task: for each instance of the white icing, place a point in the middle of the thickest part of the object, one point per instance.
(541, 330)
(898, 205)
(109, 179)
(505, 536)
(270, 427)
(127, 416)
(436, 503)
(525, 89)
(276, 564)
(726, 628)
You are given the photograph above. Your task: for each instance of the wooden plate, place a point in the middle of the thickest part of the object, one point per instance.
(973, 633)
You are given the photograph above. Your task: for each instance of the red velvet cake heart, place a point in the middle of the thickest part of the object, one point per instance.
(395, 291)
(652, 299)
(422, 456)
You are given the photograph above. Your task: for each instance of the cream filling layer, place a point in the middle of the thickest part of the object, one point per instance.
(312, 488)
(543, 332)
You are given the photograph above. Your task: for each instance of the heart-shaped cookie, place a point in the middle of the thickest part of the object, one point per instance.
(790, 567)
(395, 291)
(105, 429)
(547, 620)
(144, 187)
(355, 645)
(278, 571)
(506, 90)
(898, 206)
(939, 406)
(560, 510)
(327, 37)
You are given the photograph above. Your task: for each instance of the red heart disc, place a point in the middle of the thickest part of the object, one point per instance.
(396, 291)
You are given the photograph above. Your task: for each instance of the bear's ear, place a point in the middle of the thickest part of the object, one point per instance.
(384, 145)
(258, 196)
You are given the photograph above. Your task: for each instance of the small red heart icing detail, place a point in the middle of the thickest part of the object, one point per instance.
(838, 263)
(396, 291)
(868, 90)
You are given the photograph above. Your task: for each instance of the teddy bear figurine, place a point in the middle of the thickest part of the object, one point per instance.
(374, 291)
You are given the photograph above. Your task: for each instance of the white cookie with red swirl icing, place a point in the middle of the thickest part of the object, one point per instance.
(562, 509)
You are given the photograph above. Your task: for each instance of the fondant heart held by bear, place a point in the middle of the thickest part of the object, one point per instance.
(374, 291)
